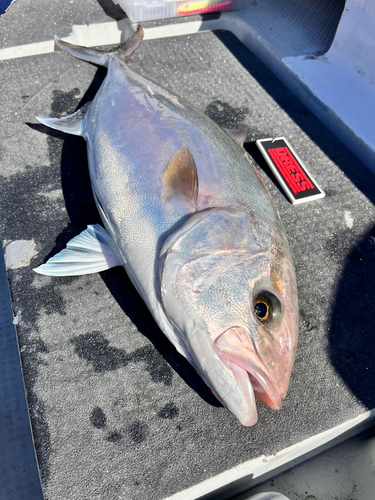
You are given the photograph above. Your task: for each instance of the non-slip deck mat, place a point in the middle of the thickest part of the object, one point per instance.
(116, 412)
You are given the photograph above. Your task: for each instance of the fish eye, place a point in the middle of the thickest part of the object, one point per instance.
(267, 308)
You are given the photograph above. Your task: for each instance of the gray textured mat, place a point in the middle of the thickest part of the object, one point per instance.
(116, 412)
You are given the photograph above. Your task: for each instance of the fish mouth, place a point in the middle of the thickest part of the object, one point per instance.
(235, 347)
(263, 388)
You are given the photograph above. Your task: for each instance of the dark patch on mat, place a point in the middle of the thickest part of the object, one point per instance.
(225, 115)
(114, 437)
(95, 348)
(98, 418)
(138, 431)
(169, 411)
(63, 103)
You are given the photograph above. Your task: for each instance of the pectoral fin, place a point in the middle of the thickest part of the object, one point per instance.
(180, 178)
(91, 251)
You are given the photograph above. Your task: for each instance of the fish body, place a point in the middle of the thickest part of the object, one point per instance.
(189, 218)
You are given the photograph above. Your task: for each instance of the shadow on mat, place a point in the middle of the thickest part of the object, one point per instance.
(352, 334)
(112, 10)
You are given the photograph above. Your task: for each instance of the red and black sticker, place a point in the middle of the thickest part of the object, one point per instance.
(293, 176)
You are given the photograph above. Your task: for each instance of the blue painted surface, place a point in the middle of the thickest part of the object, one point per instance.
(4, 4)
(19, 475)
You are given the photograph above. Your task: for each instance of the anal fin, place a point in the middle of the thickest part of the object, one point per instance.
(90, 252)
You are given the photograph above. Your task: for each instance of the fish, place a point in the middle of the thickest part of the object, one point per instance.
(187, 215)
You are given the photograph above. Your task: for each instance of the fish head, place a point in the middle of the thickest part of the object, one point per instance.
(228, 288)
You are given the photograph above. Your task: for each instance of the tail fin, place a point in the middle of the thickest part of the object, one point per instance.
(101, 58)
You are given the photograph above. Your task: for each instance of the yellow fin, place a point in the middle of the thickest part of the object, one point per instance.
(180, 178)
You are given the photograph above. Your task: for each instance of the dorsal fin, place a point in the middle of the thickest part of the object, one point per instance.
(71, 124)
(238, 134)
(100, 57)
(180, 178)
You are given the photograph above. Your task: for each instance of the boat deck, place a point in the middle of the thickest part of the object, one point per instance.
(116, 412)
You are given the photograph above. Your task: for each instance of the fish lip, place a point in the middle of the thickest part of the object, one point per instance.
(252, 364)
(275, 400)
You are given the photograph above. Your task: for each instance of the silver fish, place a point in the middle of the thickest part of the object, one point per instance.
(187, 215)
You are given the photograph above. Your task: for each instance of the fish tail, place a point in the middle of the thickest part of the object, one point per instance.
(124, 51)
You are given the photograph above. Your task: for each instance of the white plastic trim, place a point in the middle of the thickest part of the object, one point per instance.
(255, 471)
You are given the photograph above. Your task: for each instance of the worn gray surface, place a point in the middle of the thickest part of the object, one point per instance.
(344, 472)
(116, 412)
(29, 22)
